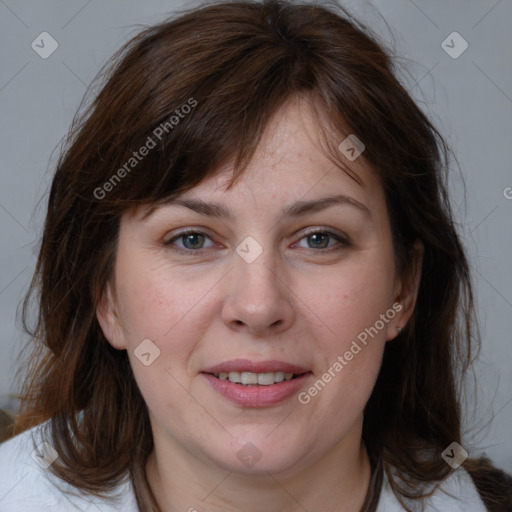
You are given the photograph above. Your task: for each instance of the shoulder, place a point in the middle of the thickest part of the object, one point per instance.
(457, 493)
(27, 485)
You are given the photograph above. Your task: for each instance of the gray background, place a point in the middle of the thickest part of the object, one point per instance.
(469, 98)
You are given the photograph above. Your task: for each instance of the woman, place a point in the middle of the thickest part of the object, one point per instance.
(250, 285)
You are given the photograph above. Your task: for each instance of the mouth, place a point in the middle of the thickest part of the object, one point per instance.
(256, 384)
(256, 379)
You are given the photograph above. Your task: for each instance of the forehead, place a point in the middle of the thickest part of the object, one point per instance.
(292, 162)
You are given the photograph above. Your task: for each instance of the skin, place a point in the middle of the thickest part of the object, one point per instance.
(296, 303)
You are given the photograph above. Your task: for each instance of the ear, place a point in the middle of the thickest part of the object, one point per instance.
(406, 293)
(109, 321)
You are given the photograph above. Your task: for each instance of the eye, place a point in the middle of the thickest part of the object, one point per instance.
(317, 240)
(193, 241)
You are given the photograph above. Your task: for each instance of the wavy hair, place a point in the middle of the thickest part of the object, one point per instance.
(235, 64)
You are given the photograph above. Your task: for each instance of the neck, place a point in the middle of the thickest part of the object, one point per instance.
(338, 481)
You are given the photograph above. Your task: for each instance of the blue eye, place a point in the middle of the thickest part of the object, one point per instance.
(317, 241)
(193, 241)
(320, 240)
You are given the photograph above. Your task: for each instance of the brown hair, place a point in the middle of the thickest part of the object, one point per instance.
(235, 64)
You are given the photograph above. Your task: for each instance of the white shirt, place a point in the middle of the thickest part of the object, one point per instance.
(26, 485)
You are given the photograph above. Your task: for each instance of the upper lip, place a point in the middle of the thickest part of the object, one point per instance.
(246, 365)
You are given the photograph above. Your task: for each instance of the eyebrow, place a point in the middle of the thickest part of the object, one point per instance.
(297, 209)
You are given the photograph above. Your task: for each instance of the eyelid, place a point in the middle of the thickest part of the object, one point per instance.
(187, 231)
(343, 239)
(328, 231)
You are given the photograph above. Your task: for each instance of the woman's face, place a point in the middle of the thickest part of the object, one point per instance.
(291, 271)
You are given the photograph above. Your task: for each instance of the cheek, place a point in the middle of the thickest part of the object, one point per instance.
(351, 334)
(154, 310)
(152, 296)
(353, 298)
(350, 354)
(148, 307)
(165, 306)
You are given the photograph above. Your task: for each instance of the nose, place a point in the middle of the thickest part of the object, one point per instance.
(258, 298)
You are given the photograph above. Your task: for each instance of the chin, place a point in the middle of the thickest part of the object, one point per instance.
(262, 454)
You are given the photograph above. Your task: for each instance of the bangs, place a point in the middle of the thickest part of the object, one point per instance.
(186, 120)
(172, 174)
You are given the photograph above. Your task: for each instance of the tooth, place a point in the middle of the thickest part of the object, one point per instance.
(249, 378)
(265, 379)
(278, 376)
(234, 377)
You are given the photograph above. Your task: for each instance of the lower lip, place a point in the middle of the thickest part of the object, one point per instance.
(257, 396)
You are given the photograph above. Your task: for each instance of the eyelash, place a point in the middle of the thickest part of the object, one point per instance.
(341, 240)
